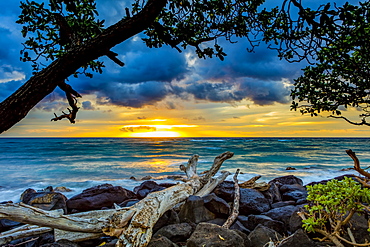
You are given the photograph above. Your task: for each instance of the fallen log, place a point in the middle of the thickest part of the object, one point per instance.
(133, 225)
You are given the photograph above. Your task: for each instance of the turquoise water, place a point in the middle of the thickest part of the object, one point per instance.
(79, 163)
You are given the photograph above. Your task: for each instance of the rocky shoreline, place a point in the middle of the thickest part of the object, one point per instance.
(266, 217)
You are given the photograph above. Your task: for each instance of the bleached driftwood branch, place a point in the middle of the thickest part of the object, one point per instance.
(132, 225)
(234, 214)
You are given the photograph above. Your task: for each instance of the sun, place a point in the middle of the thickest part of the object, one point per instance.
(156, 134)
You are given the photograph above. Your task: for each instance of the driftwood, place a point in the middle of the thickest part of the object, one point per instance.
(234, 214)
(251, 184)
(133, 225)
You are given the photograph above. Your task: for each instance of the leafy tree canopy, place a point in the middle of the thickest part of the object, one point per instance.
(333, 39)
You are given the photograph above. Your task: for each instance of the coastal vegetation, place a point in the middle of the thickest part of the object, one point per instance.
(65, 38)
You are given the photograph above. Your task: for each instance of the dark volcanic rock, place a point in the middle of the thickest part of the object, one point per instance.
(298, 239)
(168, 218)
(225, 190)
(282, 214)
(100, 196)
(211, 235)
(176, 232)
(194, 211)
(254, 220)
(252, 202)
(216, 205)
(147, 187)
(161, 242)
(261, 235)
(290, 179)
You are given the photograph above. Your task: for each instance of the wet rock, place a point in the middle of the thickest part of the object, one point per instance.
(293, 192)
(261, 235)
(46, 200)
(282, 214)
(282, 204)
(273, 193)
(175, 232)
(147, 187)
(194, 211)
(97, 197)
(298, 239)
(225, 190)
(290, 179)
(216, 205)
(252, 202)
(62, 189)
(254, 220)
(211, 235)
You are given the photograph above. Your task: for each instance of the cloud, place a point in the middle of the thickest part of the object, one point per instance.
(151, 75)
(138, 128)
(87, 105)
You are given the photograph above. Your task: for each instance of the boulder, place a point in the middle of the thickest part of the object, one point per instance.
(252, 202)
(211, 235)
(161, 242)
(261, 235)
(295, 221)
(216, 205)
(298, 239)
(168, 218)
(175, 232)
(273, 193)
(237, 225)
(98, 197)
(147, 187)
(359, 226)
(282, 204)
(294, 195)
(293, 192)
(225, 190)
(282, 214)
(46, 200)
(194, 211)
(254, 220)
(290, 179)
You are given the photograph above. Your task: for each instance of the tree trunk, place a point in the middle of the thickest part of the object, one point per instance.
(16, 106)
(133, 225)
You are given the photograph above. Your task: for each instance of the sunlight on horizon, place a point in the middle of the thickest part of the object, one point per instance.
(156, 134)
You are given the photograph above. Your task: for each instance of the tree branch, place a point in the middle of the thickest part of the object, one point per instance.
(357, 164)
(363, 121)
(16, 106)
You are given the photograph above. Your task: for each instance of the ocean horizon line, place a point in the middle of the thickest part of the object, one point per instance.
(202, 137)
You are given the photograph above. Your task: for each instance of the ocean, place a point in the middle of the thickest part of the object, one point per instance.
(80, 163)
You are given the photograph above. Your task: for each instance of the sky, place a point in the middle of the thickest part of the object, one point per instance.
(164, 93)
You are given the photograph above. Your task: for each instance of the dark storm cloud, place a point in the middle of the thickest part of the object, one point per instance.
(87, 105)
(133, 95)
(260, 92)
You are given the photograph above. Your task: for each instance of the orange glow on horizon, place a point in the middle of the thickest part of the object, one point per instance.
(156, 134)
